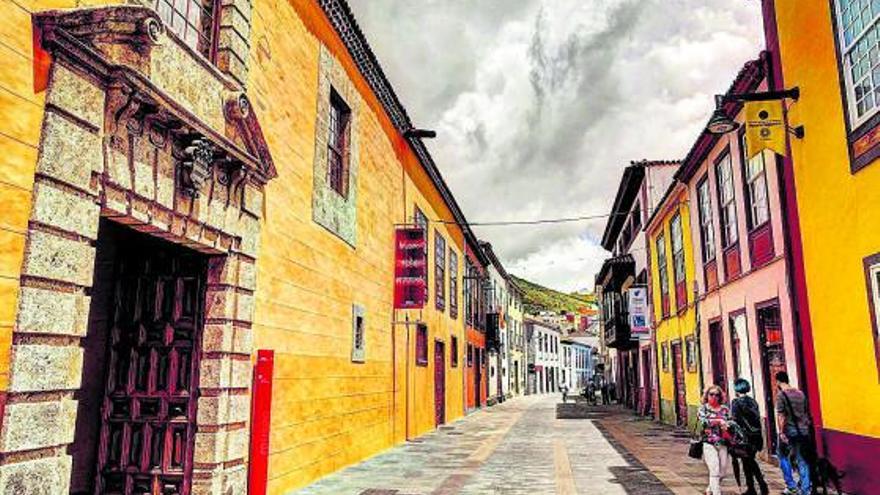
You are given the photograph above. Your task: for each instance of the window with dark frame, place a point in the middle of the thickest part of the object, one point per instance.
(453, 351)
(662, 274)
(726, 201)
(358, 344)
(337, 144)
(690, 353)
(707, 224)
(470, 356)
(755, 184)
(872, 272)
(421, 220)
(735, 348)
(678, 268)
(195, 22)
(453, 284)
(439, 271)
(421, 344)
(664, 355)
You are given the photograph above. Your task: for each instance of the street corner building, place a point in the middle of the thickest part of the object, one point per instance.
(832, 177)
(674, 308)
(198, 251)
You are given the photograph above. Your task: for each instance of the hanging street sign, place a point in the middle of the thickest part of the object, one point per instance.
(640, 328)
(765, 127)
(410, 268)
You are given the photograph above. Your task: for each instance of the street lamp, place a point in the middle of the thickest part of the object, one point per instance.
(721, 123)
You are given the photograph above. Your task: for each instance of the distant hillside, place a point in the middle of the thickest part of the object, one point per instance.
(539, 298)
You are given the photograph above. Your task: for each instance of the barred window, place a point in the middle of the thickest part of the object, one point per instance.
(453, 352)
(195, 22)
(337, 144)
(859, 32)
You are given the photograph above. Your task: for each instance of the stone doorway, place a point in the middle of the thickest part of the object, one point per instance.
(123, 144)
(137, 402)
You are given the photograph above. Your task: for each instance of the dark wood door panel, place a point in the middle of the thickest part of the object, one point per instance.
(149, 408)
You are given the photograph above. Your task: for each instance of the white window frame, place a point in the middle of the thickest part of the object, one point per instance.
(727, 205)
(855, 120)
(662, 268)
(707, 221)
(676, 235)
(874, 272)
(753, 187)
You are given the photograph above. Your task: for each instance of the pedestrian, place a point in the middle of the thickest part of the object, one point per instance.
(795, 440)
(564, 389)
(745, 413)
(714, 419)
(606, 392)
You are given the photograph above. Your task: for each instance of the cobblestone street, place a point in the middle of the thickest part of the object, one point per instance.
(520, 447)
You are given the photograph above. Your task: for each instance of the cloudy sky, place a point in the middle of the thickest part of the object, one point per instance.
(539, 104)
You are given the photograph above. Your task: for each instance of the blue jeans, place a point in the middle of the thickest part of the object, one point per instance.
(793, 451)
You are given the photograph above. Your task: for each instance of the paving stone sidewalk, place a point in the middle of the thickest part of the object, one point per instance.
(527, 446)
(663, 450)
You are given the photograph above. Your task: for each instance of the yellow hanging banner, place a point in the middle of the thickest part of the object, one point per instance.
(765, 127)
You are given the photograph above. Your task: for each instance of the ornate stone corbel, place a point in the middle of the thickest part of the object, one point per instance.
(194, 169)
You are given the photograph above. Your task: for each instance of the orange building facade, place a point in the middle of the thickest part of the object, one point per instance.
(475, 321)
(182, 196)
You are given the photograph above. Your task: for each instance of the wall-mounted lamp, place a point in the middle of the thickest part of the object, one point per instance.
(721, 123)
(412, 132)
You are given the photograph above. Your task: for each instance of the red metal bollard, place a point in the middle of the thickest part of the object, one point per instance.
(261, 414)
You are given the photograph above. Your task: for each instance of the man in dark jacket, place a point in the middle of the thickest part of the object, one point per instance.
(794, 435)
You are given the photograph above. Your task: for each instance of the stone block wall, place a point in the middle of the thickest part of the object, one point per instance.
(86, 166)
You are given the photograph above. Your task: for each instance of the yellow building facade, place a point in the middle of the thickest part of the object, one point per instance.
(674, 312)
(832, 179)
(294, 268)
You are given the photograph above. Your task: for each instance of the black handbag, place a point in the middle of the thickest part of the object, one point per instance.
(695, 449)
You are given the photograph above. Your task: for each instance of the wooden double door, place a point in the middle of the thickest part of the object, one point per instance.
(148, 411)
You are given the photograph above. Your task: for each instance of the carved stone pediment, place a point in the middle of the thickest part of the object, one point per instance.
(158, 85)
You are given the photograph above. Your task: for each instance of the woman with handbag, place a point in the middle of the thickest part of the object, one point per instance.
(714, 419)
(745, 413)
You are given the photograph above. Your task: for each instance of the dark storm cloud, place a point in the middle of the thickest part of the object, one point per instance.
(539, 104)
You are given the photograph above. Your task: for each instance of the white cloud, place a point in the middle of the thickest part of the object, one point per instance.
(539, 104)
